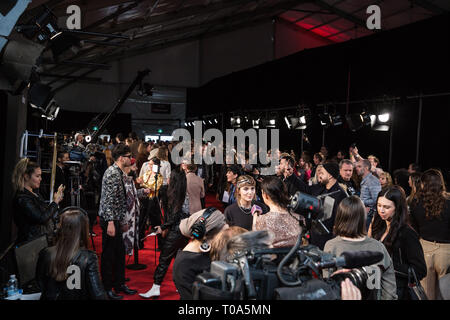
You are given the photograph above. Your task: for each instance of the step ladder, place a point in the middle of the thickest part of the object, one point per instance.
(45, 160)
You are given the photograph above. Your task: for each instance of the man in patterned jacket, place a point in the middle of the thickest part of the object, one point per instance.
(113, 207)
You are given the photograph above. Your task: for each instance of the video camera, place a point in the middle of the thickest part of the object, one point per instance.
(295, 273)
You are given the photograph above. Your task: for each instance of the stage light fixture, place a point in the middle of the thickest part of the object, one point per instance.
(255, 123)
(336, 119)
(325, 120)
(382, 122)
(288, 122)
(51, 111)
(215, 120)
(383, 118)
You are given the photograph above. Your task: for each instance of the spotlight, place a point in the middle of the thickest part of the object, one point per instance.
(204, 122)
(336, 120)
(236, 122)
(288, 123)
(255, 123)
(382, 122)
(39, 95)
(366, 119)
(44, 27)
(185, 124)
(383, 118)
(51, 111)
(215, 120)
(209, 121)
(325, 120)
(88, 138)
(302, 123)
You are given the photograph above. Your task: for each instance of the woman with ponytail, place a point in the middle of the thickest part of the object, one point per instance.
(279, 220)
(32, 215)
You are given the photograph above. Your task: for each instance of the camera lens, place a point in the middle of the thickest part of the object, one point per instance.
(358, 277)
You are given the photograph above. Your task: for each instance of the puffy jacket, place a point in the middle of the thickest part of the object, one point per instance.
(33, 216)
(91, 287)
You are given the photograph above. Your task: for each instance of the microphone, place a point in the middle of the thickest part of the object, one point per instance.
(352, 260)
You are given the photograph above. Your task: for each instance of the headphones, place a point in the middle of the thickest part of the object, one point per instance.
(198, 230)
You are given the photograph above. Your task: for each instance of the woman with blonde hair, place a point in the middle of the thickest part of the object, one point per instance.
(32, 215)
(385, 180)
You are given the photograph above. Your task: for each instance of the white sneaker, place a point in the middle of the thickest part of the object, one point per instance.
(153, 292)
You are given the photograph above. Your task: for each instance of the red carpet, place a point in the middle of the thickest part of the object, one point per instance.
(142, 280)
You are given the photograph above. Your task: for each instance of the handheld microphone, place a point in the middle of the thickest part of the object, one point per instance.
(352, 260)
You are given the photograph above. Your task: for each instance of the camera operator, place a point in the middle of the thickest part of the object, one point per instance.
(351, 236)
(194, 258)
(328, 176)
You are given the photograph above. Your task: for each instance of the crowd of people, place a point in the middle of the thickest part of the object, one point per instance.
(405, 216)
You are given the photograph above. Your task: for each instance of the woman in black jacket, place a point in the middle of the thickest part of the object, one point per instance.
(69, 271)
(178, 205)
(32, 215)
(402, 242)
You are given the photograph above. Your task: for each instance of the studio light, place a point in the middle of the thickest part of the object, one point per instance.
(325, 120)
(302, 123)
(51, 111)
(336, 120)
(236, 122)
(215, 120)
(288, 122)
(382, 122)
(383, 118)
(255, 123)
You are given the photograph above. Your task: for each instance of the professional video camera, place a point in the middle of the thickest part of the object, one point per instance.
(295, 273)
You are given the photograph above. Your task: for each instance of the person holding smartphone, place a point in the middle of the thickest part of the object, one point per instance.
(32, 215)
(241, 212)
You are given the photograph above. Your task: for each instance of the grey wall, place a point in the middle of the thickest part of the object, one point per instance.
(186, 65)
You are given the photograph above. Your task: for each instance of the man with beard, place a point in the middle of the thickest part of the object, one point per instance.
(293, 183)
(112, 211)
(345, 177)
(328, 176)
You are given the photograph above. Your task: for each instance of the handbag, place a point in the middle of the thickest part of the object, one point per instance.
(416, 290)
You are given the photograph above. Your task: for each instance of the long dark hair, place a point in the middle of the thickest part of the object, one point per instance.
(396, 194)
(433, 193)
(73, 234)
(276, 190)
(176, 190)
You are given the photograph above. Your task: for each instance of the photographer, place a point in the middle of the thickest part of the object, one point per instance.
(349, 228)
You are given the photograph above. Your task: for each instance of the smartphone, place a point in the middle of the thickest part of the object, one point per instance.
(155, 168)
(256, 209)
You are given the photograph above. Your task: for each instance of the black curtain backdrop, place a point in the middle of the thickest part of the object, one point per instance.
(400, 63)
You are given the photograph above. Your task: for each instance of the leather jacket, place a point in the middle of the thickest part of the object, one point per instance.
(33, 216)
(91, 287)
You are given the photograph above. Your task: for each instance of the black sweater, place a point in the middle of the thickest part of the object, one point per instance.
(235, 216)
(186, 267)
(436, 229)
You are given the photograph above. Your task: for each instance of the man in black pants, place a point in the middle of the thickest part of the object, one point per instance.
(113, 207)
